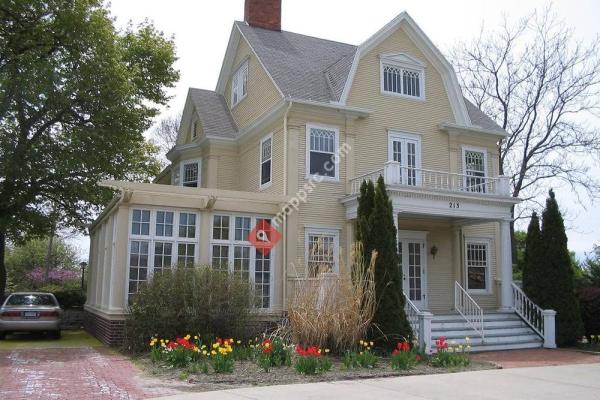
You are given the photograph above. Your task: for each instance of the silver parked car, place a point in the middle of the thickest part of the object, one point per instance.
(30, 312)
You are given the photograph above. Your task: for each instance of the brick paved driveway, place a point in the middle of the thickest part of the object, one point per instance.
(72, 373)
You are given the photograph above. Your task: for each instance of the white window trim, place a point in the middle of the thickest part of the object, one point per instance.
(182, 165)
(231, 243)
(336, 149)
(262, 186)
(488, 275)
(464, 162)
(243, 65)
(335, 232)
(151, 238)
(403, 136)
(412, 66)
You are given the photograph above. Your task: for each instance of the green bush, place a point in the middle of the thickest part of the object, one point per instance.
(273, 353)
(200, 300)
(589, 302)
(404, 360)
(69, 299)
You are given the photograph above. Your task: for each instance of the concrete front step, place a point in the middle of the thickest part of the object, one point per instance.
(503, 331)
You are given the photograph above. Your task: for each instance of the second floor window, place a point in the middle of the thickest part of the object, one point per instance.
(239, 84)
(474, 167)
(266, 148)
(321, 147)
(190, 174)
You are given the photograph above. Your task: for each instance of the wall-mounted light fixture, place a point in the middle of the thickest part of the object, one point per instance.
(433, 250)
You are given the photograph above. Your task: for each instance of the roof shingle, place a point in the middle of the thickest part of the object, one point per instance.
(213, 113)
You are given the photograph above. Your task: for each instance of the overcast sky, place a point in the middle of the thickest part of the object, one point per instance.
(201, 31)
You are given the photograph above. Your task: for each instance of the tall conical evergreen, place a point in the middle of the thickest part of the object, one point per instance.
(556, 276)
(532, 258)
(365, 209)
(390, 318)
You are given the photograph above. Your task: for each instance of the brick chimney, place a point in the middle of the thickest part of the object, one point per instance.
(263, 14)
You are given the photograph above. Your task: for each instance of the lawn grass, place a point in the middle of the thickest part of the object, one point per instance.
(70, 339)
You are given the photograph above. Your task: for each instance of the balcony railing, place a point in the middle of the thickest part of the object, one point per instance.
(396, 174)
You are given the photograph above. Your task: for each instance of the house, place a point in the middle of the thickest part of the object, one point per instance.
(294, 126)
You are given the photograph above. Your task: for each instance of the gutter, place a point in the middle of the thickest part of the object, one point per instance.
(447, 127)
(115, 202)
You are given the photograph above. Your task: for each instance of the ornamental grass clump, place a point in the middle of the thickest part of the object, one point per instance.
(451, 355)
(311, 360)
(333, 311)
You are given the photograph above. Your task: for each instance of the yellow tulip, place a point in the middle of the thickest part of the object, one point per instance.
(371, 343)
(361, 342)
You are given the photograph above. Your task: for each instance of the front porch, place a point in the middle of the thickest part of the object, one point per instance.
(454, 244)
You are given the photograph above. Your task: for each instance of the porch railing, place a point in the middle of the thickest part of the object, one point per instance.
(468, 309)
(412, 315)
(530, 312)
(395, 173)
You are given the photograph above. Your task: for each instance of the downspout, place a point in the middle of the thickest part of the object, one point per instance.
(285, 191)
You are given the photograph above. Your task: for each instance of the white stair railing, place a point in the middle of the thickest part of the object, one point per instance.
(468, 309)
(530, 312)
(412, 315)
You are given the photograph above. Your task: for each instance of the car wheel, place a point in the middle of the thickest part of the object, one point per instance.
(55, 334)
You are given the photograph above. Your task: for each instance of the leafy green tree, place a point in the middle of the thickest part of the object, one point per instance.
(375, 220)
(24, 258)
(520, 238)
(555, 280)
(76, 94)
(532, 259)
(592, 267)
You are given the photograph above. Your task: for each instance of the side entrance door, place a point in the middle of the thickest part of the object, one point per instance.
(413, 260)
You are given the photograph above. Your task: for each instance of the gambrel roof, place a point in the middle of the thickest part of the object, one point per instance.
(318, 70)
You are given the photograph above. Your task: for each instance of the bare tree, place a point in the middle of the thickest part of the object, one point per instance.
(541, 86)
(164, 133)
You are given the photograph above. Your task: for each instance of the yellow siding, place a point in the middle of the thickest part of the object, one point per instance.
(323, 208)
(262, 94)
(249, 159)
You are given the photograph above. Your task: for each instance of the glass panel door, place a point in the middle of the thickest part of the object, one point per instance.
(412, 264)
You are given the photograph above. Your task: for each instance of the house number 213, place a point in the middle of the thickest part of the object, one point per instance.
(454, 204)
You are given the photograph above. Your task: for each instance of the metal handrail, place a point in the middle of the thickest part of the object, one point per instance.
(468, 308)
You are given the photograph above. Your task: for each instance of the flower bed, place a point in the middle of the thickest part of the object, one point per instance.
(229, 363)
(589, 343)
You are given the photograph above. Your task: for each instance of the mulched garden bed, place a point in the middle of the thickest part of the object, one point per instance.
(248, 374)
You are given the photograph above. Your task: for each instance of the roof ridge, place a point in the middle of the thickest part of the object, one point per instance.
(299, 34)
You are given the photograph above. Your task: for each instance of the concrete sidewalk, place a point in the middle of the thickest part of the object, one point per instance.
(562, 382)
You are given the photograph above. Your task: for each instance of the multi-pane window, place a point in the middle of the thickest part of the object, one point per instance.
(321, 251)
(163, 253)
(321, 147)
(403, 81)
(220, 227)
(265, 161)
(190, 174)
(159, 239)
(138, 265)
(187, 225)
(239, 84)
(475, 179)
(242, 228)
(164, 223)
(405, 149)
(477, 265)
(140, 222)
(186, 254)
(232, 251)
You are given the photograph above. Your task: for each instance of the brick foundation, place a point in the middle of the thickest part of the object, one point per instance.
(109, 331)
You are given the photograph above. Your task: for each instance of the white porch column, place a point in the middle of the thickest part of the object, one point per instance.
(506, 300)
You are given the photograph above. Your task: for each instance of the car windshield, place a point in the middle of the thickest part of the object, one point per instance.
(30, 300)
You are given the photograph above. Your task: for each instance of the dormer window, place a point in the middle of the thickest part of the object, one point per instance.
(239, 84)
(189, 174)
(402, 75)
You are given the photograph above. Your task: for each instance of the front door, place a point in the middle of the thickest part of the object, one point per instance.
(412, 263)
